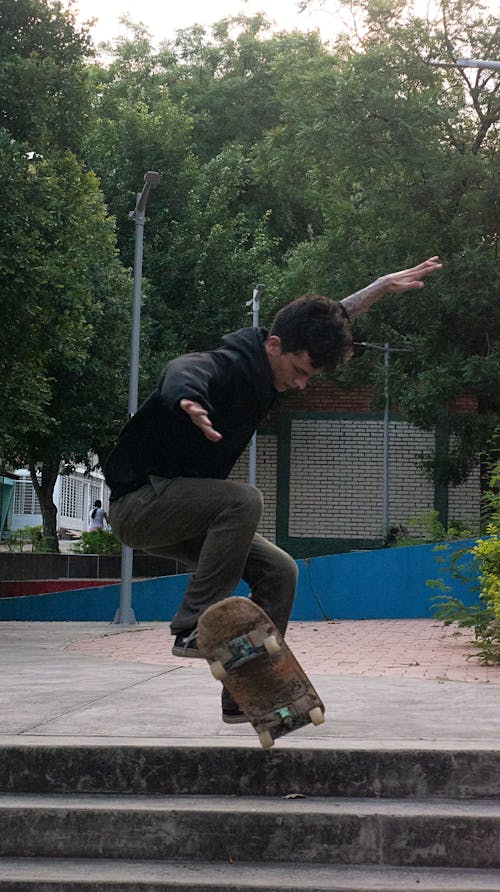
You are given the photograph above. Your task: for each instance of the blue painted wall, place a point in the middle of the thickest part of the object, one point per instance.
(384, 584)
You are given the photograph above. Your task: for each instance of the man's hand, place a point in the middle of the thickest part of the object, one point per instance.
(199, 417)
(407, 279)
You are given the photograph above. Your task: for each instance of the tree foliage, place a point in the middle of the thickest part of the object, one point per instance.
(66, 296)
(283, 160)
(43, 77)
(402, 159)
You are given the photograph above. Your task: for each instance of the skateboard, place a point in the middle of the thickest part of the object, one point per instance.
(247, 653)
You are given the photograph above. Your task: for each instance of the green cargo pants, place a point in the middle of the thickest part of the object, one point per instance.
(209, 525)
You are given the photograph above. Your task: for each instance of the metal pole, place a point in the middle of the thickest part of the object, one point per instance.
(125, 614)
(385, 490)
(136, 314)
(492, 64)
(252, 458)
(386, 349)
(479, 63)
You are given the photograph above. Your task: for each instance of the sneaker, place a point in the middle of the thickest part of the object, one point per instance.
(232, 715)
(186, 645)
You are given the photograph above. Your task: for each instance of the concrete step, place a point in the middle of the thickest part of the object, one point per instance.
(45, 875)
(136, 767)
(430, 833)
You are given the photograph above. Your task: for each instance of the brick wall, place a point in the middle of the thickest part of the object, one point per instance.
(337, 477)
(266, 480)
(464, 502)
(335, 470)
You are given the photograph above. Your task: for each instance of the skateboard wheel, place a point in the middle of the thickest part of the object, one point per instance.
(218, 671)
(266, 739)
(317, 715)
(272, 645)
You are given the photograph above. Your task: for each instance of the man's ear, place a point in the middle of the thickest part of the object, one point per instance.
(273, 345)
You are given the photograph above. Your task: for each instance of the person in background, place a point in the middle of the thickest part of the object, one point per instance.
(97, 517)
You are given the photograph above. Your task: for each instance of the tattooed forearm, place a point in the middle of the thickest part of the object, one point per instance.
(361, 301)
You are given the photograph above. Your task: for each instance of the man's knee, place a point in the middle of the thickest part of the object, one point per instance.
(287, 569)
(250, 500)
(282, 571)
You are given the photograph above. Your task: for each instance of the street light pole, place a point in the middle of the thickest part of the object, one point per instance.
(252, 458)
(468, 63)
(386, 349)
(125, 614)
(385, 489)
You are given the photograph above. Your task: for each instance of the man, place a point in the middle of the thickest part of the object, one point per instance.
(168, 472)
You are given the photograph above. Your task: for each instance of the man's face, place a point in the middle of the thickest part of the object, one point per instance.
(291, 371)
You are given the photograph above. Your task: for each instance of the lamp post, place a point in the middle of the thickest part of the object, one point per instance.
(468, 63)
(386, 349)
(125, 614)
(252, 458)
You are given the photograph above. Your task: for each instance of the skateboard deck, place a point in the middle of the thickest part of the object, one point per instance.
(247, 653)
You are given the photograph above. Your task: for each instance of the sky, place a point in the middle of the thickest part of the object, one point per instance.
(163, 19)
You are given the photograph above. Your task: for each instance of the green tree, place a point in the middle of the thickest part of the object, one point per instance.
(66, 297)
(315, 170)
(208, 238)
(401, 159)
(71, 325)
(44, 84)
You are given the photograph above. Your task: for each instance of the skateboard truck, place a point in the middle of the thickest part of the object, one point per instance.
(288, 716)
(244, 648)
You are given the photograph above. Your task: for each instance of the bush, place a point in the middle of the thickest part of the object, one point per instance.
(97, 542)
(433, 531)
(25, 536)
(46, 545)
(483, 617)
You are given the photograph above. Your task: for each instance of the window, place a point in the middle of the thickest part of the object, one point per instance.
(94, 492)
(72, 498)
(25, 498)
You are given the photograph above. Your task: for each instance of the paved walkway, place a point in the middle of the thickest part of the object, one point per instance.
(407, 649)
(389, 684)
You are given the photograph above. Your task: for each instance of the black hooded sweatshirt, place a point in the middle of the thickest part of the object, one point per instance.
(234, 383)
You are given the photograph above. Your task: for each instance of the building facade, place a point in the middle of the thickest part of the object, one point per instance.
(74, 496)
(320, 467)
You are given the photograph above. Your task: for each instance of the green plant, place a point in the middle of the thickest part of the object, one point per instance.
(433, 530)
(97, 542)
(46, 545)
(26, 535)
(483, 617)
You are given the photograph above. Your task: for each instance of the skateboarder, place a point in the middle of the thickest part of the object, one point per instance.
(170, 495)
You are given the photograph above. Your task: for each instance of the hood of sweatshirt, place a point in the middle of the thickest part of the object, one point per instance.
(248, 347)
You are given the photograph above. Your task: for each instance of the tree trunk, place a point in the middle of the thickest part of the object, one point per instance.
(44, 488)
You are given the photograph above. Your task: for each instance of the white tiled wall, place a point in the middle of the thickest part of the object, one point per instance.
(266, 481)
(336, 476)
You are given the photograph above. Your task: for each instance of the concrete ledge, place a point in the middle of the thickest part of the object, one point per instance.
(64, 875)
(54, 767)
(388, 832)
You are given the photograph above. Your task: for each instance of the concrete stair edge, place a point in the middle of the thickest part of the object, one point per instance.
(410, 833)
(78, 875)
(44, 768)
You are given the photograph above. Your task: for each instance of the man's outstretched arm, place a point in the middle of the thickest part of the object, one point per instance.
(405, 280)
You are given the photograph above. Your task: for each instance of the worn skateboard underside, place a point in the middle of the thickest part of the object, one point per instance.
(271, 689)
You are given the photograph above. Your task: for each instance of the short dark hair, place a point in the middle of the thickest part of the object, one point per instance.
(318, 325)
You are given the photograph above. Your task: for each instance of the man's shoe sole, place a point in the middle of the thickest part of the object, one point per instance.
(234, 719)
(187, 652)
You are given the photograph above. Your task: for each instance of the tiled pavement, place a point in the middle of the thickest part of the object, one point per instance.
(418, 649)
(390, 683)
